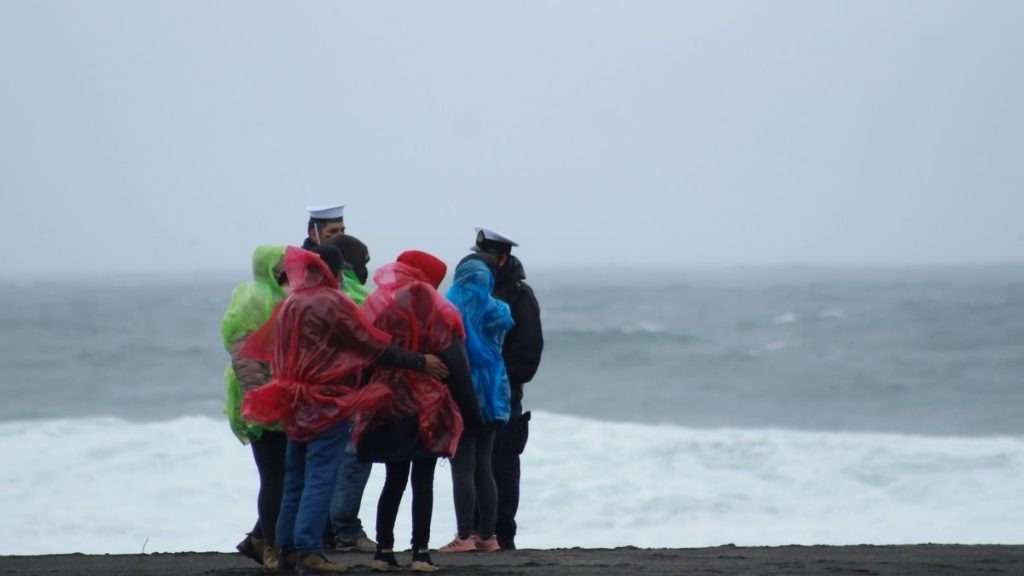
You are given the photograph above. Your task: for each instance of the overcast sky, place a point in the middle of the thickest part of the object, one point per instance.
(179, 135)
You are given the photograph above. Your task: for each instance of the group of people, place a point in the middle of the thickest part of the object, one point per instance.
(327, 377)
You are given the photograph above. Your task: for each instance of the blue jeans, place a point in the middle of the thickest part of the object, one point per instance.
(310, 471)
(348, 492)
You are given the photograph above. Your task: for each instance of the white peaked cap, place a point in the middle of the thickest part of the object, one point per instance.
(487, 239)
(326, 211)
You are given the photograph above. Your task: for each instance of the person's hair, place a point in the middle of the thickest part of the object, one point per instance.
(331, 256)
(356, 254)
(352, 249)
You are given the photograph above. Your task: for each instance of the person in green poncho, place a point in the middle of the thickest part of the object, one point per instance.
(355, 272)
(252, 304)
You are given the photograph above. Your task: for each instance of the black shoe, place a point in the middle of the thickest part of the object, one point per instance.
(421, 562)
(507, 543)
(384, 561)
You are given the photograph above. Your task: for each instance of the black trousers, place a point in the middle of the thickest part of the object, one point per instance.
(509, 443)
(473, 488)
(395, 480)
(269, 451)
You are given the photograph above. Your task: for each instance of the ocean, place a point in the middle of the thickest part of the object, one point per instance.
(678, 408)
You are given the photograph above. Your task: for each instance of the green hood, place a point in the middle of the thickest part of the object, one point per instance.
(251, 305)
(252, 302)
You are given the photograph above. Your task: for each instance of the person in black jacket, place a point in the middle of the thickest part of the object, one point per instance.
(521, 351)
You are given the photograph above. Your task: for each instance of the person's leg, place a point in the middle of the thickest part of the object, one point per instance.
(271, 471)
(422, 501)
(257, 528)
(321, 470)
(269, 451)
(509, 443)
(348, 495)
(463, 487)
(294, 481)
(486, 489)
(395, 479)
(422, 510)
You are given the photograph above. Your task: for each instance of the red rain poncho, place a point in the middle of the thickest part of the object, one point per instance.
(407, 305)
(318, 344)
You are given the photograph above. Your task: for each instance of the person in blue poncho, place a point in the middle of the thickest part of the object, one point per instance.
(486, 320)
(522, 350)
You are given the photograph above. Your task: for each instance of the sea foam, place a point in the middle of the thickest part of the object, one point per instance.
(104, 485)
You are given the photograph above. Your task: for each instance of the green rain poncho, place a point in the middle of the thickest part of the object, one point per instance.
(251, 306)
(351, 286)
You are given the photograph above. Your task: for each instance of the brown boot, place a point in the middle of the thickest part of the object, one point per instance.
(251, 548)
(317, 564)
(271, 557)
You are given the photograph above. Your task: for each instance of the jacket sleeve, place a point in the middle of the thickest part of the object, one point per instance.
(251, 373)
(525, 342)
(397, 357)
(460, 383)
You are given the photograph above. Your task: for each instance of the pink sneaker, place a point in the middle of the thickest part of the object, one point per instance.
(459, 545)
(489, 545)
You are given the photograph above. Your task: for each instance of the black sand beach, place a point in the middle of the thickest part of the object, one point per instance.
(952, 560)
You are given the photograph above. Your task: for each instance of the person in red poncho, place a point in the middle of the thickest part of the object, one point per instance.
(318, 344)
(424, 418)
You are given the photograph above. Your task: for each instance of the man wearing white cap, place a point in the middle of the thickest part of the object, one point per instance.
(344, 530)
(521, 352)
(325, 222)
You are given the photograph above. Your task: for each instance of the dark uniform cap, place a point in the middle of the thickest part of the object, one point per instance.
(492, 242)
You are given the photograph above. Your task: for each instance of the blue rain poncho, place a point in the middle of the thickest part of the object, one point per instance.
(486, 320)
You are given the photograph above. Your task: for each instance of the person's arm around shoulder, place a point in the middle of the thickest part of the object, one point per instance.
(398, 357)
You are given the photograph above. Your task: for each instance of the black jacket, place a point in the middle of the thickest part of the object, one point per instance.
(525, 342)
(400, 440)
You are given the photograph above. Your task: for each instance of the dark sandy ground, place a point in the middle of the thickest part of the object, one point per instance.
(925, 559)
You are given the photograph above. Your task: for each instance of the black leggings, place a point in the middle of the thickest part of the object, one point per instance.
(473, 483)
(269, 451)
(396, 478)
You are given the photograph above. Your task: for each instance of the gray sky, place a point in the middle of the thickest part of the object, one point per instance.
(178, 135)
